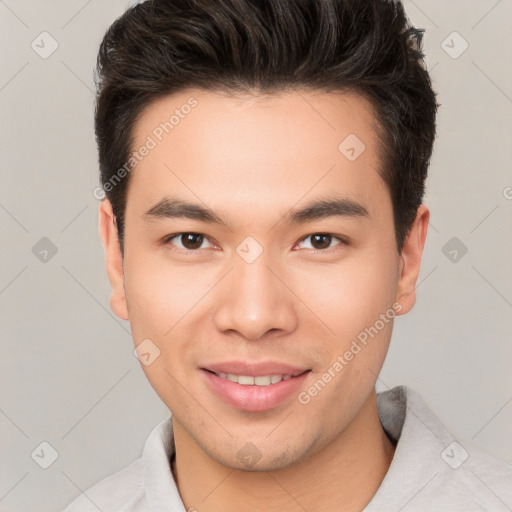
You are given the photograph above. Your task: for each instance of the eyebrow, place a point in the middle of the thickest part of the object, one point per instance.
(320, 209)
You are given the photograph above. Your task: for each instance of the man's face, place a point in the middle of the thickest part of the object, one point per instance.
(261, 292)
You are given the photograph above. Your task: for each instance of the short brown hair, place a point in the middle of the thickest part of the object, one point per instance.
(160, 47)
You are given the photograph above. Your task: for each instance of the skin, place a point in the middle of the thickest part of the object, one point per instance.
(252, 159)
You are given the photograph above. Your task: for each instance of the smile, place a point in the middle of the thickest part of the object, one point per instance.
(255, 393)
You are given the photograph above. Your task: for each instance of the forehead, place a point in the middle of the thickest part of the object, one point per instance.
(260, 149)
(304, 114)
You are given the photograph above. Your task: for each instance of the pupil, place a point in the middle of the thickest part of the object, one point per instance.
(192, 240)
(318, 238)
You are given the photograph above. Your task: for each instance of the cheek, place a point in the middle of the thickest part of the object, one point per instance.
(160, 295)
(351, 295)
(350, 301)
(160, 302)
(150, 303)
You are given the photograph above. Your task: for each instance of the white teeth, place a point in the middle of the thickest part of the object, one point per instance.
(264, 380)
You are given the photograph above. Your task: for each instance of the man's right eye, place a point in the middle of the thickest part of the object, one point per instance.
(186, 241)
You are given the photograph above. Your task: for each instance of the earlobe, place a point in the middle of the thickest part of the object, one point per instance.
(113, 259)
(410, 260)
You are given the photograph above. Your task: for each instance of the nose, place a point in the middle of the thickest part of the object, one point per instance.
(254, 300)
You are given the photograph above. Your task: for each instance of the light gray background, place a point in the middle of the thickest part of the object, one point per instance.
(69, 376)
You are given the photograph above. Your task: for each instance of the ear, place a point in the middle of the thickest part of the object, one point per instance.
(410, 260)
(114, 259)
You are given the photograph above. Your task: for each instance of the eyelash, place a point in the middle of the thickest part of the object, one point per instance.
(343, 241)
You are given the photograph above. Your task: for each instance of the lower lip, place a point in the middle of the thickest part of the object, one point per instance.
(254, 398)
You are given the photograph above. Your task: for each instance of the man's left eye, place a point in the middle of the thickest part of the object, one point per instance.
(321, 241)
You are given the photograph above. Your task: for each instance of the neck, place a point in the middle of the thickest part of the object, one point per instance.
(346, 472)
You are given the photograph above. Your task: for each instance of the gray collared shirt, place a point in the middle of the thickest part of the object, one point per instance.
(430, 470)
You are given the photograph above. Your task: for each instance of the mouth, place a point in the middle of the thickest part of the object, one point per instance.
(258, 392)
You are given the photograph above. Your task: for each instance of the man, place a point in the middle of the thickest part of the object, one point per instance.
(264, 166)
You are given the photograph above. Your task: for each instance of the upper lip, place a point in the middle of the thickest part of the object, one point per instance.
(254, 369)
